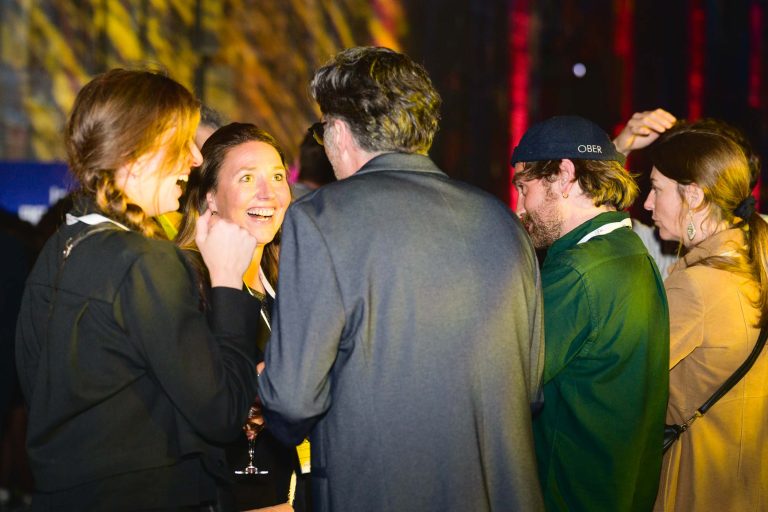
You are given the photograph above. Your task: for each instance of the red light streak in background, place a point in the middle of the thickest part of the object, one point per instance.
(623, 48)
(519, 79)
(755, 70)
(696, 27)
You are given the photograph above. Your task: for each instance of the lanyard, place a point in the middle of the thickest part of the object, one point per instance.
(270, 291)
(267, 287)
(605, 229)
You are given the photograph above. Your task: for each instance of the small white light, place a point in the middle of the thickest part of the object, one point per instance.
(579, 70)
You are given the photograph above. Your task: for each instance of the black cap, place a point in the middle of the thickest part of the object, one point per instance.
(570, 137)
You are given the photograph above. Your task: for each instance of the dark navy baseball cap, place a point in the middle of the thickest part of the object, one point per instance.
(571, 137)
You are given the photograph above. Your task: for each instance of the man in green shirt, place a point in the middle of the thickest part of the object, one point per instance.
(598, 437)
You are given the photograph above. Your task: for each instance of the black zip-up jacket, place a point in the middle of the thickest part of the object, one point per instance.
(128, 383)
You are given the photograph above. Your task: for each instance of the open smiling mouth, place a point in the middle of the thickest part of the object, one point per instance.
(261, 213)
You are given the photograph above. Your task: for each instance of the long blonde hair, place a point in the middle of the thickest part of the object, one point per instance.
(117, 117)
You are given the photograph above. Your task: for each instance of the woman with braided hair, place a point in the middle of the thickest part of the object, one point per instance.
(718, 301)
(130, 385)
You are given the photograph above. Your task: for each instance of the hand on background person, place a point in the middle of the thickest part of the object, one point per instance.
(227, 249)
(642, 129)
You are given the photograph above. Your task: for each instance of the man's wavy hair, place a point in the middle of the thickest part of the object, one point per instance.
(387, 99)
(606, 182)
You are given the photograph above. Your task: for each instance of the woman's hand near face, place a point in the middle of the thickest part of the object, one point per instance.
(227, 249)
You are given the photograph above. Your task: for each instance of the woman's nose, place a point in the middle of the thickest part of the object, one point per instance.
(648, 204)
(264, 188)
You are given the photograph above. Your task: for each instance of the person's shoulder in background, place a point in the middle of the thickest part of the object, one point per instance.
(656, 247)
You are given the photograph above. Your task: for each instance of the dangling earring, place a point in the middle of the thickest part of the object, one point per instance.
(691, 229)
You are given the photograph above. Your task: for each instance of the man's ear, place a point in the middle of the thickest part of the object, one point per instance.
(567, 176)
(341, 132)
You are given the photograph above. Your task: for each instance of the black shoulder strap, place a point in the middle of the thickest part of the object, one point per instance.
(73, 241)
(69, 245)
(739, 373)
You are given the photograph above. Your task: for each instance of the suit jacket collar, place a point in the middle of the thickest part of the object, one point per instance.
(410, 162)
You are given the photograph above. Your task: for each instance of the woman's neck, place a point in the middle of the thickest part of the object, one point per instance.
(706, 227)
(251, 276)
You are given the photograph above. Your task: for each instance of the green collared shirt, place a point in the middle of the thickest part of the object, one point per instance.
(598, 438)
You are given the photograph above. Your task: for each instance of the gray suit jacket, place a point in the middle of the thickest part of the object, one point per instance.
(407, 343)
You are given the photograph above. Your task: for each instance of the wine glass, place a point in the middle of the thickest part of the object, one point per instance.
(253, 425)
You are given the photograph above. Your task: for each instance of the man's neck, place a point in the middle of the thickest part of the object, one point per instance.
(358, 157)
(579, 216)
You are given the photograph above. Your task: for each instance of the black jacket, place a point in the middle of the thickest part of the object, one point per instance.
(124, 376)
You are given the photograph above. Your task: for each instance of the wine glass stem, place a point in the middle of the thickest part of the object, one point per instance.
(251, 449)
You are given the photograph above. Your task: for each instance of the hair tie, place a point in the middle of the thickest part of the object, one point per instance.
(745, 209)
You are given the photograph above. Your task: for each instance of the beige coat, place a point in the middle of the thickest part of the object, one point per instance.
(721, 463)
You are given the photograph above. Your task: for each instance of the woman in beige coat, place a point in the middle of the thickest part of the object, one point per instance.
(717, 299)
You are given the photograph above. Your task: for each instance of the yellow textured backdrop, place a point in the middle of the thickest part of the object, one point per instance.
(249, 59)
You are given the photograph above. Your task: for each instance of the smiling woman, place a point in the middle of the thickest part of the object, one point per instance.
(130, 389)
(252, 189)
(154, 180)
(243, 180)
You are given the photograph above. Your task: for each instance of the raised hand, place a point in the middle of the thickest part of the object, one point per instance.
(227, 249)
(642, 129)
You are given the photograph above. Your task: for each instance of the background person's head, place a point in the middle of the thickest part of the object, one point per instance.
(567, 171)
(315, 169)
(129, 140)
(243, 179)
(384, 100)
(210, 121)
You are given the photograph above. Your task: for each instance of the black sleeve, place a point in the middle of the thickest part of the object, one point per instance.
(295, 387)
(206, 366)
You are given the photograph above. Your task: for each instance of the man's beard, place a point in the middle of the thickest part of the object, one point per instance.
(546, 224)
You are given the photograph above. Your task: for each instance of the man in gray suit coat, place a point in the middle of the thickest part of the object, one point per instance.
(407, 335)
